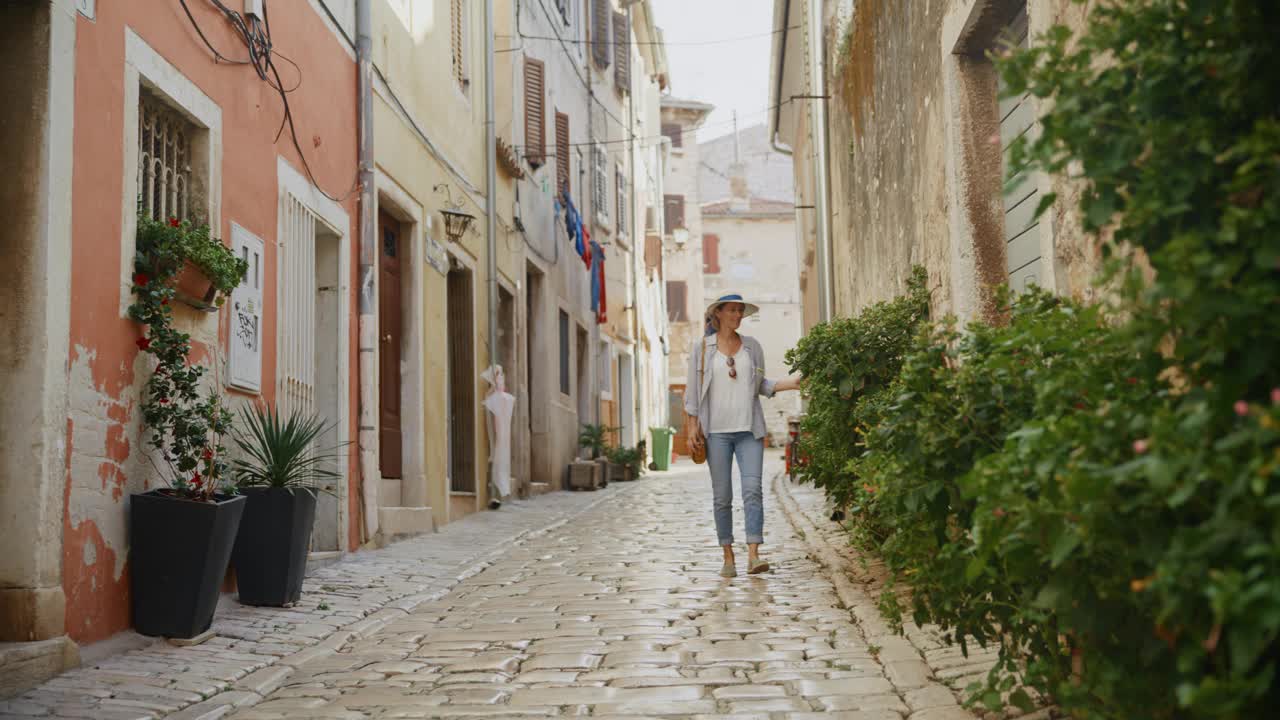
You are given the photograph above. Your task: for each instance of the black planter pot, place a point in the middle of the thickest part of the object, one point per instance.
(178, 554)
(271, 548)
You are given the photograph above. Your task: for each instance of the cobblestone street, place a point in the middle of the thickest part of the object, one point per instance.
(617, 612)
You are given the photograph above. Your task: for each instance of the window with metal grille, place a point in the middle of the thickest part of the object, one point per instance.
(677, 301)
(600, 17)
(166, 184)
(674, 132)
(710, 254)
(673, 212)
(620, 181)
(600, 183)
(458, 41)
(562, 152)
(621, 52)
(535, 119)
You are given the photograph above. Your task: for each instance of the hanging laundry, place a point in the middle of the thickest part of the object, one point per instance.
(588, 244)
(599, 304)
(500, 405)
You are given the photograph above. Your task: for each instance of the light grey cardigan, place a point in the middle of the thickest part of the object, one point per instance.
(698, 402)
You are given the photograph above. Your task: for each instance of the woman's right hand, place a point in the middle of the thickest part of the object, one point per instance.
(695, 434)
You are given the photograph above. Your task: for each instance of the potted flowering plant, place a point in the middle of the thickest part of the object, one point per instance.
(180, 535)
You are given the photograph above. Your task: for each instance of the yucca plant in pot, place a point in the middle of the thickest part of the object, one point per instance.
(279, 471)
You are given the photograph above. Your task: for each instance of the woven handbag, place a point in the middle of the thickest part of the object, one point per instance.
(699, 452)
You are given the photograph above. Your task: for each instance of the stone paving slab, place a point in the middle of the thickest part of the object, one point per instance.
(930, 673)
(621, 614)
(255, 650)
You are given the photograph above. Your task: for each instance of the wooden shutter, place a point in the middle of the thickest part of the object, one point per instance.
(673, 131)
(677, 301)
(621, 52)
(600, 32)
(562, 152)
(535, 118)
(673, 209)
(710, 254)
(652, 253)
(456, 9)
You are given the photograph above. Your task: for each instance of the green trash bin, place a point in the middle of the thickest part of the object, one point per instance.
(661, 447)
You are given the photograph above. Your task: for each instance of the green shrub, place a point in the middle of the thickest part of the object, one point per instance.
(1101, 494)
(848, 364)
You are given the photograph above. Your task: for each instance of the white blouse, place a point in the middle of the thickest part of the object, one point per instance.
(731, 397)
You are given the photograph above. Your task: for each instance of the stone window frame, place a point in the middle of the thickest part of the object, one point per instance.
(975, 171)
(144, 67)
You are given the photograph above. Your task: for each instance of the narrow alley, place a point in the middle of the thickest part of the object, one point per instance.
(608, 604)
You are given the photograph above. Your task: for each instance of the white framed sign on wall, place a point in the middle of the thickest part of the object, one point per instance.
(245, 358)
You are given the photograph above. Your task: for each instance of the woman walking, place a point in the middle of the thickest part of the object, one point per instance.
(722, 399)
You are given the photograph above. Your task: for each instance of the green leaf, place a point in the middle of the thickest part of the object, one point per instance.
(1066, 543)
(1021, 700)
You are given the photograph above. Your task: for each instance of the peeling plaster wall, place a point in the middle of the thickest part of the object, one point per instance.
(106, 453)
(891, 201)
(888, 162)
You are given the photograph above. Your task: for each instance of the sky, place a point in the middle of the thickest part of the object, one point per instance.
(730, 75)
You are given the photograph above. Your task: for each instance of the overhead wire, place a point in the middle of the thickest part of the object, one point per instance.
(255, 33)
(718, 41)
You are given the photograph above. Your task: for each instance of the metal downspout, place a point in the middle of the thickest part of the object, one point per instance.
(634, 279)
(491, 202)
(367, 440)
(818, 117)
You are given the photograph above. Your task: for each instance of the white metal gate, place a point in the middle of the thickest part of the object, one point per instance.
(297, 273)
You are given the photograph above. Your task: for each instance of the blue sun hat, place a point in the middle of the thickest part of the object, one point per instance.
(749, 309)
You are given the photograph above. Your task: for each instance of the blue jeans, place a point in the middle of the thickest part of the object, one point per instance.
(721, 449)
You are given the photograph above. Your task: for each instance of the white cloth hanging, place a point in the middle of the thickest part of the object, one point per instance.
(501, 405)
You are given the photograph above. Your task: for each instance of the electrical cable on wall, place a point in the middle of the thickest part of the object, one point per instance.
(255, 33)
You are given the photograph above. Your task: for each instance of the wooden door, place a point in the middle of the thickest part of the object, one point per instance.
(389, 335)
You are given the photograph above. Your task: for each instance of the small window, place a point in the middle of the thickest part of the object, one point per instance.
(605, 368)
(562, 152)
(677, 301)
(675, 133)
(673, 216)
(621, 52)
(564, 353)
(600, 20)
(600, 178)
(623, 198)
(458, 41)
(535, 119)
(164, 161)
(710, 254)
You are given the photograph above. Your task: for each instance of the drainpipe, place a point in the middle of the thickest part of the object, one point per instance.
(367, 439)
(818, 131)
(491, 190)
(818, 118)
(636, 361)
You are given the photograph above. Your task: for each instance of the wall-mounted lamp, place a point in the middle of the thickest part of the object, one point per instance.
(456, 222)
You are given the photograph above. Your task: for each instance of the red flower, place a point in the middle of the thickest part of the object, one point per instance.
(196, 482)
(1132, 380)
(175, 222)
(208, 453)
(163, 401)
(999, 512)
(164, 301)
(1242, 408)
(143, 343)
(141, 279)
